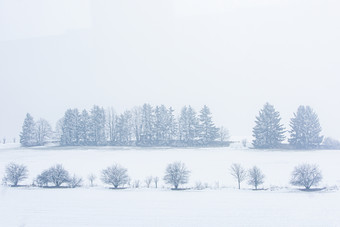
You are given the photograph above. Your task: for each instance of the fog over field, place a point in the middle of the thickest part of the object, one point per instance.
(230, 55)
(169, 113)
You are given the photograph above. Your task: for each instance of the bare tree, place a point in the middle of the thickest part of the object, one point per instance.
(224, 134)
(239, 173)
(148, 181)
(244, 142)
(15, 173)
(176, 173)
(331, 143)
(43, 131)
(136, 184)
(4, 140)
(256, 177)
(155, 180)
(306, 175)
(55, 175)
(91, 178)
(75, 182)
(115, 175)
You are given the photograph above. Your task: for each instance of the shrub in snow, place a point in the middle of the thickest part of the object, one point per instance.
(176, 173)
(75, 182)
(331, 143)
(55, 175)
(306, 175)
(115, 175)
(15, 173)
(239, 173)
(200, 186)
(136, 184)
(91, 178)
(255, 177)
(148, 181)
(155, 180)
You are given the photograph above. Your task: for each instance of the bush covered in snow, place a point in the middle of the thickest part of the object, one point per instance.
(56, 175)
(115, 175)
(15, 173)
(306, 175)
(176, 173)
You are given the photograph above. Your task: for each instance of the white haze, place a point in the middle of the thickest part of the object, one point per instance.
(231, 55)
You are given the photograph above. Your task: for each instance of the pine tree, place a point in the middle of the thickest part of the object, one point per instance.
(188, 125)
(148, 124)
(70, 128)
(97, 126)
(28, 135)
(268, 132)
(171, 125)
(124, 128)
(208, 132)
(84, 128)
(305, 129)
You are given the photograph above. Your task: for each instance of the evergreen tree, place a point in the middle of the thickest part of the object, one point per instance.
(97, 126)
(305, 129)
(171, 125)
(28, 135)
(268, 132)
(161, 124)
(148, 124)
(70, 128)
(188, 124)
(208, 132)
(124, 128)
(84, 128)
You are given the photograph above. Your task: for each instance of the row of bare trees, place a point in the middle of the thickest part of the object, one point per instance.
(176, 174)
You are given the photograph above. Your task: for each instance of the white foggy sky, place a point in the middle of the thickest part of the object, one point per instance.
(230, 55)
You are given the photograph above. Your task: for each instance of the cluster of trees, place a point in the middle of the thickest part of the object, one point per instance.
(35, 133)
(270, 133)
(306, 175)
(141, 126)
(176, 174)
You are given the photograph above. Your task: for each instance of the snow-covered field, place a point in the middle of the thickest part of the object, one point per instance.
(220, 205)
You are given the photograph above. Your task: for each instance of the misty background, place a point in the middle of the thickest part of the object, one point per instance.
(230, 55)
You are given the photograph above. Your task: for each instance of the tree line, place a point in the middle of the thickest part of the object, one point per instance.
(176, 174)
(140, 126)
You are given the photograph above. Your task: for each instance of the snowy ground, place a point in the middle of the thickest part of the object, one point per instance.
(280, 205)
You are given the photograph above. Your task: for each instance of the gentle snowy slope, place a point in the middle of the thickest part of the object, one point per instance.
(142, 207)
(280, 205)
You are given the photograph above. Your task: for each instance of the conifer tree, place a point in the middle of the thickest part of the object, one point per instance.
(188, 125)
(97, 126)
(268, 131)
(208, 132)
(148, 124)
(84, 128)
(70, 128)
(305, 129)
(28, 135)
